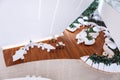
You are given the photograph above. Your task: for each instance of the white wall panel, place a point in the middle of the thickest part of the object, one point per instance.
(67, 12)
(18, 19)
(22, 20)
(46, 16)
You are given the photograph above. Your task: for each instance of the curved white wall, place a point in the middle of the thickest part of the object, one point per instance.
(22, 20)
(56, 69)
(112, 19)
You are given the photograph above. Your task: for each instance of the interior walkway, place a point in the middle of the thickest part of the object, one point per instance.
(72, 50)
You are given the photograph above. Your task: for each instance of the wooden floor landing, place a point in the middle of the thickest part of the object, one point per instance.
(71, 51)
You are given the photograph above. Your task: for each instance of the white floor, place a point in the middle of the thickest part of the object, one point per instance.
(59, 69)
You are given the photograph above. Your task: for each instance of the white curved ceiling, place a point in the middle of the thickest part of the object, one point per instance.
(24, 20)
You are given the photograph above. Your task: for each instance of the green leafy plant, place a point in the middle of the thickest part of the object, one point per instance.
(93, 6)
(75, 21)
(89, 37)
(98, 22)
(71, 26)
(94, 58)
(88, 31)
(104, 59)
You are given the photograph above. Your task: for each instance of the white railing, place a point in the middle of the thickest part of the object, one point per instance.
(101, 66)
